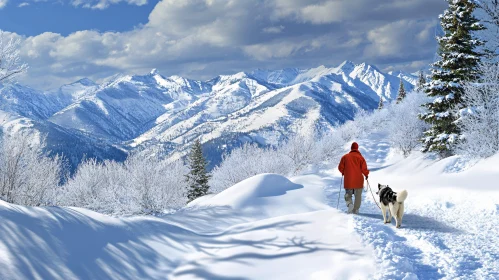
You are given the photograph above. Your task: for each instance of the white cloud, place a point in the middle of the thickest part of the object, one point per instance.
(3, 3)
(401, 39)
(23, 4)
(103, 4)
(94, 4)
(273, 29)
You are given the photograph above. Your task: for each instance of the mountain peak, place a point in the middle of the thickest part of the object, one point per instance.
(367, 67)
(347, 66)
(85, 82)
(154, 71)
(347, 63)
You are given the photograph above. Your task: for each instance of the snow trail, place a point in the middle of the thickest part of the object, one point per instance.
(445, 234)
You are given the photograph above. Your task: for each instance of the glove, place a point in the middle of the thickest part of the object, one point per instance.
(367, 177)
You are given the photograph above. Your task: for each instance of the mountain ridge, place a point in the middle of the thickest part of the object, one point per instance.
(153, 112)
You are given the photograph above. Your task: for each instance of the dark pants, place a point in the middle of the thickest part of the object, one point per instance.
(358, 198)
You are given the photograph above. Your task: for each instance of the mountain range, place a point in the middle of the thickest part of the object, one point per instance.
(153, 113)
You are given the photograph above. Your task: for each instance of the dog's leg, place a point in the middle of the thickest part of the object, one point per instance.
(392, 212)
(383, 211)
(400, 214)
(395, 214)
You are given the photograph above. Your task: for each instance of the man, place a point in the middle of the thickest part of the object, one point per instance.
(352, 166)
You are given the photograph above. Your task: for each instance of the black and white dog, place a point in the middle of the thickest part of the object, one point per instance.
(392, 201)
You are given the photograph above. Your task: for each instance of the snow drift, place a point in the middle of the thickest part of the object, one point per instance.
(222, 237)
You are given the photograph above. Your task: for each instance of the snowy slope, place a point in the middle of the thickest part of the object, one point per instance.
(206, 242)
(126, 106)
(28, 102)
(74, 145)
(271, 227)
(26, 109)
(71, 93)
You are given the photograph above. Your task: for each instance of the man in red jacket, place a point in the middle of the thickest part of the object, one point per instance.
(353, 166)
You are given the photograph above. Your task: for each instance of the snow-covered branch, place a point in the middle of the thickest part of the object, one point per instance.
(28, 176)
(480, 121)
(10, 60)
(142, 184)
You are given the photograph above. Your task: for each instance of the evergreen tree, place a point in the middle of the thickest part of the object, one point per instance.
(197, 177)
(380, 105)
(402, 92)
(458, 64)
(420, 84)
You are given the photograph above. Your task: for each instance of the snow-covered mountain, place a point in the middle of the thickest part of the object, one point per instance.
(28, 110)
(151, 111)
(267, 106)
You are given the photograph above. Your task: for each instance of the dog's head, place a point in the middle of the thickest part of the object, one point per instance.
(380, 187)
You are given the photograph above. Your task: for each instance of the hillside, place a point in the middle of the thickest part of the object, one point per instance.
(265, 225)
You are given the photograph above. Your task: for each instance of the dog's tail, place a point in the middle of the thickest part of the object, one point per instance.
(401, 196)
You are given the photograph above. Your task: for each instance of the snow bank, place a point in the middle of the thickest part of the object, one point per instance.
(72, 243)
(258, 229)
(454, 172)
(269, 195)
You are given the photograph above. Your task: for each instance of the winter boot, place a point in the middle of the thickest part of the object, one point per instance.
(350, 208)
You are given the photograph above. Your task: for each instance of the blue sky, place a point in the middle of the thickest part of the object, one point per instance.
(64, 18)
(65, 40)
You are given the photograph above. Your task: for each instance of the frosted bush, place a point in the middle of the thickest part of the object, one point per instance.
(405, 129)
(160, 184)
(246, 162)
(302, 151)
(141, 184)
(28, 176)
(330, 147)
(349, 131)
(479, 123)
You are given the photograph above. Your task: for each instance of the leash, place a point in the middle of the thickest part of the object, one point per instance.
(369, 186)
(339, 194)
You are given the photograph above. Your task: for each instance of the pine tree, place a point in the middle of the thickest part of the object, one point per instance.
(197, 177)
(380, 105)
(420, 84)
(402, 92)
(458, 64)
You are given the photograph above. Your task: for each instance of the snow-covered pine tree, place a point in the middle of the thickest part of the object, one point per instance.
(380, 104)
(197, 177)
(420, 84)
(402, 92)
(458, 64)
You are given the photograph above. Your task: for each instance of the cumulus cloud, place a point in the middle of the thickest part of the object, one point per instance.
(89, 4)
(3, 3)
(202, 38)
(103, 4)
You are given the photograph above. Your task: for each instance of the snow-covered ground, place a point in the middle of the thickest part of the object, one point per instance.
(269, 227)
(451, 222)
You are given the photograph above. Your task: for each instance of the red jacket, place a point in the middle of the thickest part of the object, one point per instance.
(353, 166)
